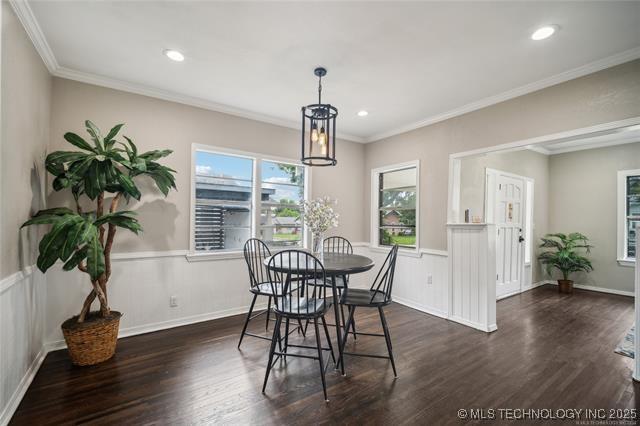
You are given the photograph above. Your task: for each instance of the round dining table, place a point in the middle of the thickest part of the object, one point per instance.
(335, 265)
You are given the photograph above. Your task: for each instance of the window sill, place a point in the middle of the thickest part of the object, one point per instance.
(401, 251)
(627, 262)
(205, 257)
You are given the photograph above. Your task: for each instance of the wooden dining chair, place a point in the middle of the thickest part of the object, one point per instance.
(337, 244)
(255, 252)
(311, 303)
(378, 296)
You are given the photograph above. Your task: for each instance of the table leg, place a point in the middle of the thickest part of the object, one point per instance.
(336, 309)
(353, 323)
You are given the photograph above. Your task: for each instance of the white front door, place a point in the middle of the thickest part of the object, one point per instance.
(509, 215)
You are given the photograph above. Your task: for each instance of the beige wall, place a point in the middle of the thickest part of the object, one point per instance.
(155, 124)
(524, 163)
(26, 105)
(583, 198)
(25, 109)
(605, 96)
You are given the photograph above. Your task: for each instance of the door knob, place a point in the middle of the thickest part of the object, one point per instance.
(520, 238)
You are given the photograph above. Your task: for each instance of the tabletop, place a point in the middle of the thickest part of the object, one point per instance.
(334, 263)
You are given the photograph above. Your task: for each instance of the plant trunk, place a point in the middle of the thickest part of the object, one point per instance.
(104, 306)
(100, 285)
(86, 307)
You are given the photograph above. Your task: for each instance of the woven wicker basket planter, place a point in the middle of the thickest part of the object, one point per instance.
(92, 341)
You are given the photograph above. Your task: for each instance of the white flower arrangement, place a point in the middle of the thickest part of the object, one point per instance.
(319, 215)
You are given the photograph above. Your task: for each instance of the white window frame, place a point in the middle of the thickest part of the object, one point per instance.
(623, 260)
(256, 205)
(375, 199)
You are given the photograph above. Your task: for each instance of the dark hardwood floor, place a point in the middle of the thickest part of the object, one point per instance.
(550, 351)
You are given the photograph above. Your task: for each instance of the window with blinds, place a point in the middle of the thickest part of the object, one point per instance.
(238, 196)
(223, 201)
(397, 207)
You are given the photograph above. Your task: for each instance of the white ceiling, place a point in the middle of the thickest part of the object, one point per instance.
(408, 64)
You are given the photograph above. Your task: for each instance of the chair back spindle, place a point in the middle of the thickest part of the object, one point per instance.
(384, 280)
(255, 252)
(305, 273)
(337, 244)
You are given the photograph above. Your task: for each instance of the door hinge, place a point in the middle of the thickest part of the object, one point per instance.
(497, 275)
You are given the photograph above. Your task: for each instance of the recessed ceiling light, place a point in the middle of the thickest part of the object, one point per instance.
(174, 55)
(544, 32)
(363, 113)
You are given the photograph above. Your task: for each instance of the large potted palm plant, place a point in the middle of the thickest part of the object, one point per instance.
(104, 172)
(566, 256)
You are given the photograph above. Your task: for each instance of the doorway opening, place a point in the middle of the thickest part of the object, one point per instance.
(577, 190)
(509, 206)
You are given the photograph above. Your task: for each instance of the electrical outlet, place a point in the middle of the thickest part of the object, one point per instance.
(429, 279)
(173, 301)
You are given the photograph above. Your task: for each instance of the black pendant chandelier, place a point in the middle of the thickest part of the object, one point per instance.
(319, 130)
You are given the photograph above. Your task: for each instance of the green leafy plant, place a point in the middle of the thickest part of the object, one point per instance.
(84, 239)
(565, 254)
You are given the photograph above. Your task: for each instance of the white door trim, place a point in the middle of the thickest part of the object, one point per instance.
(489, 216)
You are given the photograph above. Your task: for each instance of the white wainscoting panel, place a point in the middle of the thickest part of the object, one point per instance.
(472, 275)
(141, 288)
(411, 285)
(22, 316)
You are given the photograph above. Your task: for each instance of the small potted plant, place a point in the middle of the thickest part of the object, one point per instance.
(565, 255)
(83, 239)
(319, 216)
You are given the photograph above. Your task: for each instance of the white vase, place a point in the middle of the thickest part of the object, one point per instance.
(316, 244)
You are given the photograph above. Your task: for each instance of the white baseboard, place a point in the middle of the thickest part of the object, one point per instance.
(534, 285)
(578, 286)
(420, 307)
(18, 394)
(165, 325)
(522, 290)
(505, 296)
(595, 288)
(482, 327)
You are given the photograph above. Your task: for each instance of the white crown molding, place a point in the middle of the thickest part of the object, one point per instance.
(554, 137)
(613, 140)
(29, 22)
(599, 65)
(539, 150)
(141, 89)
(31, 26)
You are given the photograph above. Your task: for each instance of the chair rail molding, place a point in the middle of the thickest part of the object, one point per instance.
(7, 282)
(472, 272)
